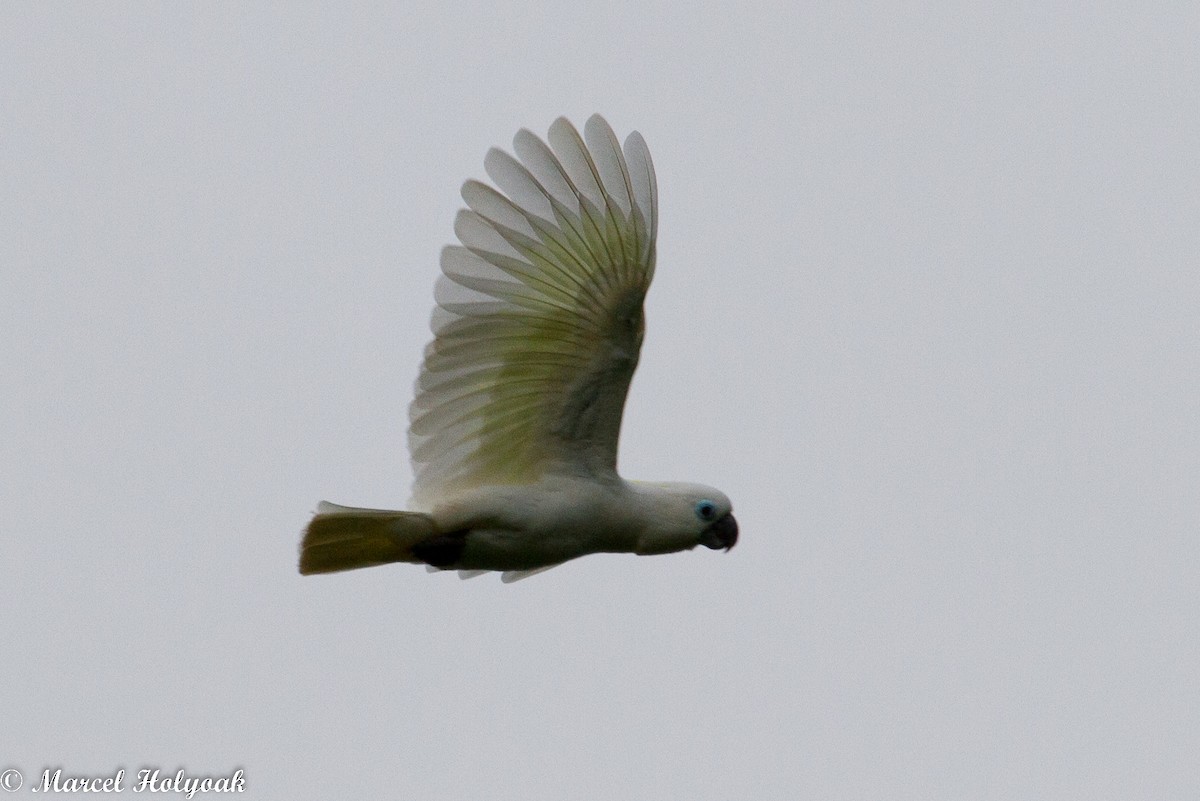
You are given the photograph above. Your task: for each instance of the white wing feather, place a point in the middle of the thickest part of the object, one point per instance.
(538, 322)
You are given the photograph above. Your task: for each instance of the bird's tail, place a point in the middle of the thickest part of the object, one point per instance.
(345, 538)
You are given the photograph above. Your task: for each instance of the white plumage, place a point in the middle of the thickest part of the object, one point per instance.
(537, 329)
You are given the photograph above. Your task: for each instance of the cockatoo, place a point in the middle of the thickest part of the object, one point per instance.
(537, 329)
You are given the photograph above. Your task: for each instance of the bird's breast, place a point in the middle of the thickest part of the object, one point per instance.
(521, 528)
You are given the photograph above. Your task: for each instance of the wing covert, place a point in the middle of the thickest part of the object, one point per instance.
(538, 322)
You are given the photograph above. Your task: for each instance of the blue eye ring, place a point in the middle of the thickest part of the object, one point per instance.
(706, 510)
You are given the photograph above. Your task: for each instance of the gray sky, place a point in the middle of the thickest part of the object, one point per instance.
(927, 308)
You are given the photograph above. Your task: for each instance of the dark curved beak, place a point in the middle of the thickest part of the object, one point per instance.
(721, 533)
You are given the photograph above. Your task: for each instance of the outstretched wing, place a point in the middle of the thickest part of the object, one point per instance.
(538, 322)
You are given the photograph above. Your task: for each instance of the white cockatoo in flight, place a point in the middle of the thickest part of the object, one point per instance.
(537, 329)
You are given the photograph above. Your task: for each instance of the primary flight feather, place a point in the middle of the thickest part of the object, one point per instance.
(537, 329)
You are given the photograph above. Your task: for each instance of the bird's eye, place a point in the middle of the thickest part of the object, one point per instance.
(706, 510)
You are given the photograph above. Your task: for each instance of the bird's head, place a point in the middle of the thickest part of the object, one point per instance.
(681, 516)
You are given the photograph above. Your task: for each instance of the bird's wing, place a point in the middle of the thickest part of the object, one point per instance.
(538, 321)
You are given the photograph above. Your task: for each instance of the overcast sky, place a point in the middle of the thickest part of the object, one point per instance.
(927, 308)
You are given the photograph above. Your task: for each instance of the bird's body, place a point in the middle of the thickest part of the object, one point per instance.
(533, 526)
(514, 428)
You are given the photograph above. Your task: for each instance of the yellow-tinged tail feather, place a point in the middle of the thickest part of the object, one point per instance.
(343, 538)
